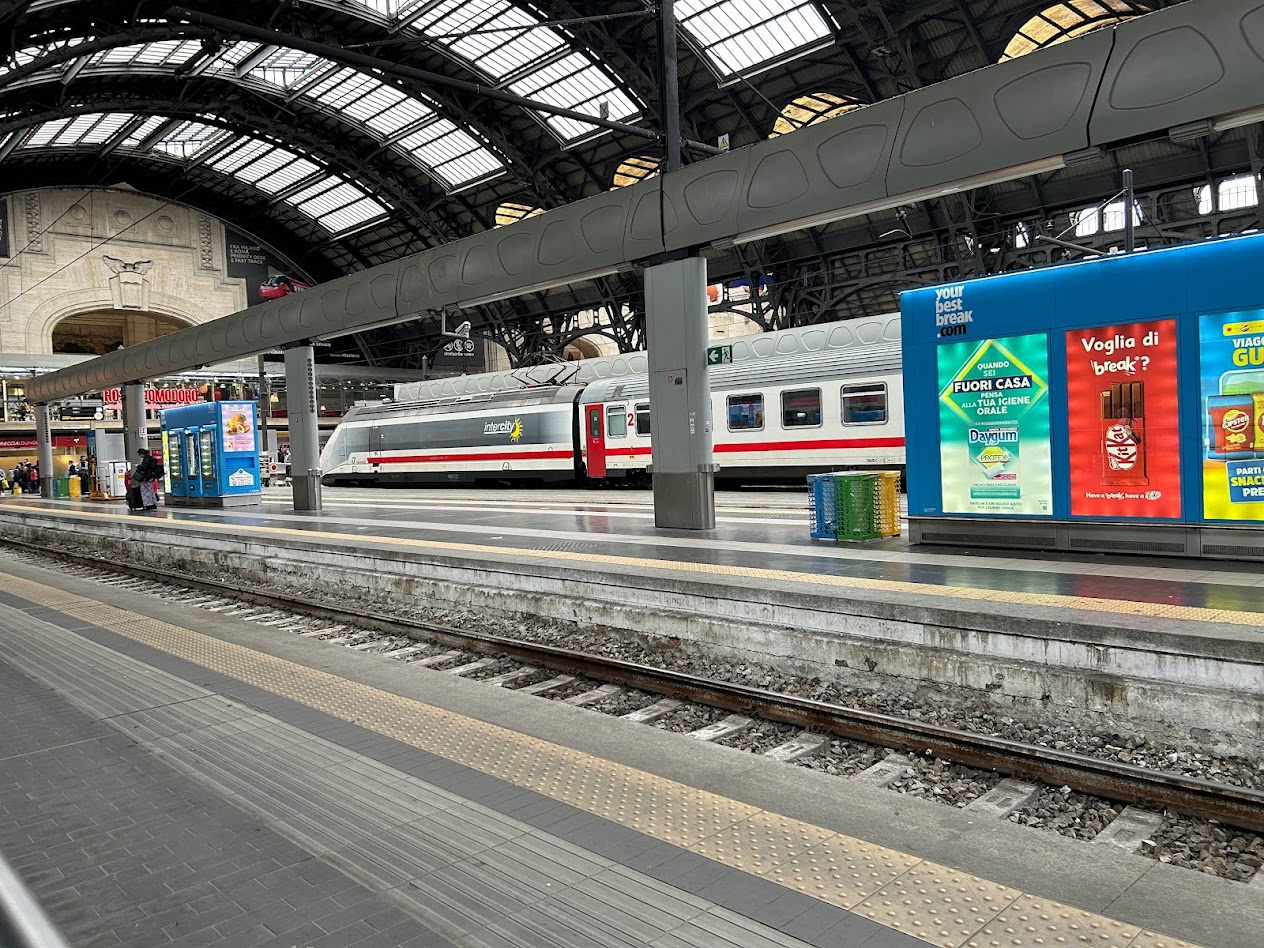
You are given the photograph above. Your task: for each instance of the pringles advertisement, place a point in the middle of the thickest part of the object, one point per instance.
(1122, 409)
(994, 426)
(1231, 360)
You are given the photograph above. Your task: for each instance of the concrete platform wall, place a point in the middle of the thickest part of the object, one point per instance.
(1139, 674)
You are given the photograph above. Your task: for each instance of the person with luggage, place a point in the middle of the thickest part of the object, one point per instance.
(146, 477)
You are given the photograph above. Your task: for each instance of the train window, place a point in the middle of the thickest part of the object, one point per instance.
(801, 408)
(357, 439)
(746, 412)
(643, 418)
(865, 404)
(400, 437)
(616, 421)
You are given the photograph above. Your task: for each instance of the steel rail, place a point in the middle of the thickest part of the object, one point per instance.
(1237, 806)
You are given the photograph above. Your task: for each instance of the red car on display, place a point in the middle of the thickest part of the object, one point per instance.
(275, 287)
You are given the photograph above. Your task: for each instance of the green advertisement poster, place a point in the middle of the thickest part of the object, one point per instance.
(994, 426)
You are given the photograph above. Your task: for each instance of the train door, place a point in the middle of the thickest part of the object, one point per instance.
(595, 441)
(375, 449)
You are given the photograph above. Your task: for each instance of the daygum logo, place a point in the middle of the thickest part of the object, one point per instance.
(994, 436)
(951, 316)
(511, 428)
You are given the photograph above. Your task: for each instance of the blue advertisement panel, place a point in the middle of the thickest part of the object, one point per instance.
(994, 426)
(1139, 398)
(1231, 377)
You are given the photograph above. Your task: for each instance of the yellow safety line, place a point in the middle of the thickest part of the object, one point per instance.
(935, 903)
(778, 576)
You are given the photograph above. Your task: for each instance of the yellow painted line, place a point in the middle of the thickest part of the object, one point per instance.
(778, 577)
(937, 904)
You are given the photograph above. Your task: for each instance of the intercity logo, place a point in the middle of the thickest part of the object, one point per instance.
(951, 316)
(506, 427)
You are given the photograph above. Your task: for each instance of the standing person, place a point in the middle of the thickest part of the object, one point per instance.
(85, 479)
(148, 473)
(34, 474)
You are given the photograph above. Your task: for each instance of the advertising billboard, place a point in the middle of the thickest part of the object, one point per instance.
(1231, 378)
(994, 426)
(237, 426)
(1123, 420)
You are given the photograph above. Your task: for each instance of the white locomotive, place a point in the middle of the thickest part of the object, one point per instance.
(791, 403)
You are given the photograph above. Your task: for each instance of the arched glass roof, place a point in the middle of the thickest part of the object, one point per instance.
(332, 201)
(408, 124)
(807, 109)
(740, 35)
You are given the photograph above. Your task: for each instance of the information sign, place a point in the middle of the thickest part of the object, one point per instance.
(1123, 417)
(1231, 356)
(719, 355)
(994, 426)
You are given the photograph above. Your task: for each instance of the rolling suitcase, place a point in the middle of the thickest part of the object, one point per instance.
(134, 501)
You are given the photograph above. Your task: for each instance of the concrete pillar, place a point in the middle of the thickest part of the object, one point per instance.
(135, 432)
(301, 404)
(44, 448)
(680, 397)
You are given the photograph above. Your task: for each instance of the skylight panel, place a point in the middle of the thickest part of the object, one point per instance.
(44, 134)
(105, 128)
(288, 67)
(235, 159)
(290, 171)
(359, 212)
(740, 34)
(575, 83)
(184, 141)
(163, 53)
(143, 131)
(496, 53)
(451, 153)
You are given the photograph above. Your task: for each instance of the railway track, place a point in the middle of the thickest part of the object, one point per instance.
(1117, 781)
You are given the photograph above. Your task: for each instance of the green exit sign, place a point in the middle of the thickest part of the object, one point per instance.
(719, 355)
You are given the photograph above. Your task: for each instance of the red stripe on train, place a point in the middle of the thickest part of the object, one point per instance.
(831, 444)
(824, 444)
(481, 456)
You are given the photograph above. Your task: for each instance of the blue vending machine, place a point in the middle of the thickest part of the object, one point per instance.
(212, 455)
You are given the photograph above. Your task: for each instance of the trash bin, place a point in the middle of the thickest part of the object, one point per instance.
(855, 506)
(821, 507)
(76, 487)
(61, 486)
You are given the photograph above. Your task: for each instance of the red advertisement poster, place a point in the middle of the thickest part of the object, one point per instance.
(1123, 420)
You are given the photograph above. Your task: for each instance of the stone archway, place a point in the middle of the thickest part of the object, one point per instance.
(101, 331)
(588, 347)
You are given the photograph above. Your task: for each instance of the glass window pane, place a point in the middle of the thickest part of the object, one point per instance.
(616, 421)
(801, 408)
(643, 419)
(865, 404)
(746, 412)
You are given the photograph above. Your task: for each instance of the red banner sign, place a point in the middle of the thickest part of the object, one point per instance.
(1122, 414)
(17, 444)
(157, 397)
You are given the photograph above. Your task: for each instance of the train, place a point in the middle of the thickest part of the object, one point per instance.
(826, 397)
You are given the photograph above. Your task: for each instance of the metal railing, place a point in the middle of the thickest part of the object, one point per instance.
(23, 923)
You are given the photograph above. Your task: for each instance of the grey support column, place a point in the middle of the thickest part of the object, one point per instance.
(135, 434)
(300, 397)
(44, 448)
(680, 398)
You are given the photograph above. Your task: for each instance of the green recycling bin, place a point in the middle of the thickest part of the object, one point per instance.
(61, 486)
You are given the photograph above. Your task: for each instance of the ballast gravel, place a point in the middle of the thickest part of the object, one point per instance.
(1207, 846)
(1064, 811)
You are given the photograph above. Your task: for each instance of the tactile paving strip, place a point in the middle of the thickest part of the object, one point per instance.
(777, 576)
(934, 903)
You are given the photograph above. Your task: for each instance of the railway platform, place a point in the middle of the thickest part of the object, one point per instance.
(1170, 644)
(180, 776)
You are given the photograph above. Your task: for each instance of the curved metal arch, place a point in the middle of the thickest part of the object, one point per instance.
(516, 164)
(374, 184)
(343, 162)
(123, 82)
